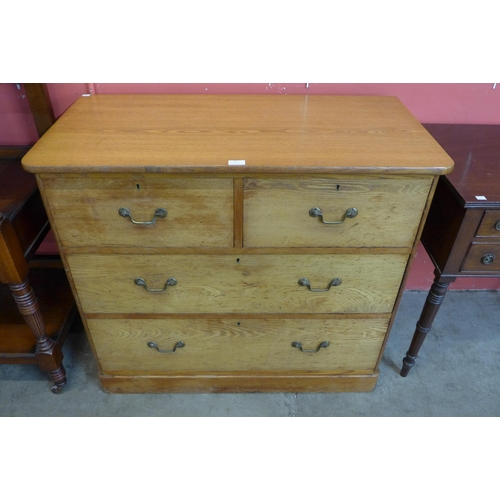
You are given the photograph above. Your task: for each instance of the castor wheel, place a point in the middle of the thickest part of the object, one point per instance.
(57, 388)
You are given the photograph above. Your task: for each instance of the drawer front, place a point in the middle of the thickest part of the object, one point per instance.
(482, 258)
(232, 284)
(199, 212)
(237, 344)
(490, 224)
(277, 211)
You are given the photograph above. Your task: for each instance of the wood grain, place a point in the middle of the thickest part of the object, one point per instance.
(85, 210)
(227, 284)
(272, 134)
(237, 345)
(248, 382)
(238, 213)
(389, 210)
(237, 238)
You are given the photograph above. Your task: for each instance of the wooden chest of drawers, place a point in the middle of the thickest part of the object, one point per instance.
(237, 243)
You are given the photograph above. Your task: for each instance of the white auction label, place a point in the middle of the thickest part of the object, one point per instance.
(236, 162)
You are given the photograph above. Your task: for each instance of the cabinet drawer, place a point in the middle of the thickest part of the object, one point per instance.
(277, 211)
(237, 344)
(482, 258)
(199, 212)
(490, 224)
(237, 284)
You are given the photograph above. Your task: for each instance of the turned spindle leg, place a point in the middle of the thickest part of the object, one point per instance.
(433, 302)
(48, 353)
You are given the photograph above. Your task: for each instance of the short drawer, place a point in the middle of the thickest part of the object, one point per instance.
(490, 224)
(237, 284)
(99, 210)
(239, 344)
(284, 212)
(482, 258)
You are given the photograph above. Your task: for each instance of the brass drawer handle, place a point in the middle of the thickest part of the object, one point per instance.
(159, 212)
(497, 226)
(154, 345)
(323, 344)
(141, 282)
(488, 259)
(334, 282)
(349, 213)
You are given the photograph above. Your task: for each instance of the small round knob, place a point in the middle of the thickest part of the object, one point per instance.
(497, 226)
(488, 259)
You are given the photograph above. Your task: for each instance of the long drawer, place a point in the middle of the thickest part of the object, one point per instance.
(237, 284)
(131, 346)
(99, 210)
(285, 212)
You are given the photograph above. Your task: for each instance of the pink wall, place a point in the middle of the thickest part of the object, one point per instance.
(429, 103)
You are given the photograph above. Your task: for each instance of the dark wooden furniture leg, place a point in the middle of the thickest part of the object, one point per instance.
(424, 324)
(48, 353)
(14, 271)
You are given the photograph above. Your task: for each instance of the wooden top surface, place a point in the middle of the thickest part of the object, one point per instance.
(272, 134)
(475, 150)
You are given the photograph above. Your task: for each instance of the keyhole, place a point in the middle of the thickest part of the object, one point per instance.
(237, 261)
(239, 324)
(137, 186)
(338, 187)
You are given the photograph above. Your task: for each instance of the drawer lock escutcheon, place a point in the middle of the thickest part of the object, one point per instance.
(142, 282)
(350, 213)
(488, 259)
(323, 344)
(159, 212)
(305, 282)
(154, 345)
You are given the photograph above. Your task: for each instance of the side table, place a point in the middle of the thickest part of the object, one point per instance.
(462, 231)
(36, 303)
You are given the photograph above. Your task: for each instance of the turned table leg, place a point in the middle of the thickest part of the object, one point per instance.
(14, 271)
(424, 324)
(48, 353)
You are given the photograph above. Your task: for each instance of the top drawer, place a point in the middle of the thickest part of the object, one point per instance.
(199, 212)
(490, 225)
(278, 212)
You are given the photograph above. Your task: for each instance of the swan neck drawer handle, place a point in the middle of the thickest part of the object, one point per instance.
(305, 282)
(323, 344)
(142, 282)
(350, 213)
(154, 345)
(159, 212)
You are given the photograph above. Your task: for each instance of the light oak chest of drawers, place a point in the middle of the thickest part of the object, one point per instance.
(237, 243)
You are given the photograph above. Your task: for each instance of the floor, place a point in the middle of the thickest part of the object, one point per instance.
(456, 375)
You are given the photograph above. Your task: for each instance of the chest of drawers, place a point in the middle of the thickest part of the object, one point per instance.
(237, 243)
